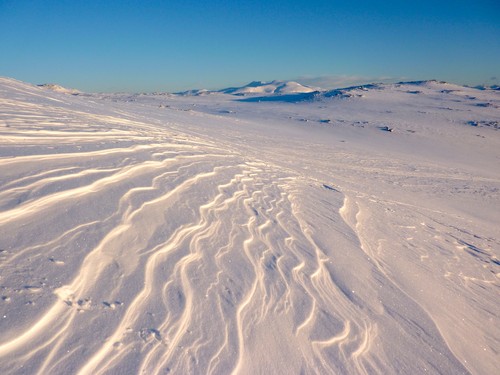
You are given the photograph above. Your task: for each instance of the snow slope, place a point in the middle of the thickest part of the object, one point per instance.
(152, 233)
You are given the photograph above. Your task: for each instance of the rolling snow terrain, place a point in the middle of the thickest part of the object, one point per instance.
(269, 229)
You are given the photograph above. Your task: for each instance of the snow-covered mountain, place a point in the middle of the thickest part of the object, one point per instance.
(258, 88)
(58, 88)
(355, 232)
(273, 87)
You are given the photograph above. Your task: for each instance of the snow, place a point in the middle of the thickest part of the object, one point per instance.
(156, 233)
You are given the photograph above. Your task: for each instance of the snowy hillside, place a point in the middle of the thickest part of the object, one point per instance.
(353, 231)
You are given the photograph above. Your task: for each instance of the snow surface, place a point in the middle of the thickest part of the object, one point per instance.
(212, 234)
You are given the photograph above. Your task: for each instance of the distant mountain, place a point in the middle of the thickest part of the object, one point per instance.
(57, 88)
(195, 92)
(293, 91)
(360, 91)
(258, 88)
(269, 88)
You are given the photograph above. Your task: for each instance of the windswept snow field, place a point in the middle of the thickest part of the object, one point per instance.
(353, 231)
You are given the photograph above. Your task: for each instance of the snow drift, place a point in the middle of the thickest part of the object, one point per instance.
(159, 233)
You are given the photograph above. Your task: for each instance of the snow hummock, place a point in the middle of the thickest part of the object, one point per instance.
(355, 232)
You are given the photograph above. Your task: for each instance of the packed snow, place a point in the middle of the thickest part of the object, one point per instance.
(292, 231)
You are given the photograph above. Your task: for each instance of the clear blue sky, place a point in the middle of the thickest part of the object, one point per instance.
(182, 44)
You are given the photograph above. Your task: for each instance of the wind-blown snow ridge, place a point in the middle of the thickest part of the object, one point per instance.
(156, 234)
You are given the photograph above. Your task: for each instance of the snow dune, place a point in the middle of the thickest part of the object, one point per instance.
(170, 234)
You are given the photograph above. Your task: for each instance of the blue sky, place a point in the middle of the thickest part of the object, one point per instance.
(182, 44)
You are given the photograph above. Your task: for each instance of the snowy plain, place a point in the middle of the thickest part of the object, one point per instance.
(251, 231)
